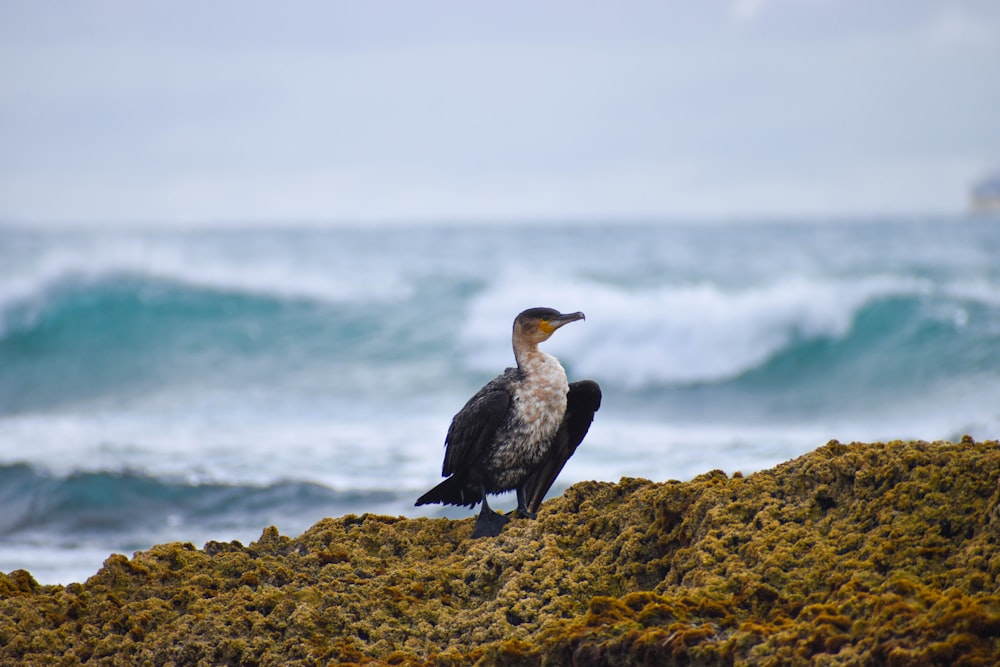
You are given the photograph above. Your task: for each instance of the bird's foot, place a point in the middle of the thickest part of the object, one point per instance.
(489, 523)
(522, 510)
(522, 513)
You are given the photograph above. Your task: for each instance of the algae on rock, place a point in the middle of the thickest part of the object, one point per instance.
(851, 554)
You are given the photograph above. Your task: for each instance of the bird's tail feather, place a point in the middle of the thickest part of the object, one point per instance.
(452, 491)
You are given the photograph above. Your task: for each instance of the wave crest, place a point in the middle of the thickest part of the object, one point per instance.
(683, 334)
(98, 263)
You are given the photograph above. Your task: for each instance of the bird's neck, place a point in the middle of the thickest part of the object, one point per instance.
(531, 360)
(527, 354)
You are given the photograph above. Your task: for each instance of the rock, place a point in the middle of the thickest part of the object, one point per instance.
(852, 554)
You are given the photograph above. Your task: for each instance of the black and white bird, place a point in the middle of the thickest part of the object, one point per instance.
(519, 430)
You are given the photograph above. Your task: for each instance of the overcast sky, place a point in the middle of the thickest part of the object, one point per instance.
(312, 111)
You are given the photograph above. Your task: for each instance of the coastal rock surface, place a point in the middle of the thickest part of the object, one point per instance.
(883, 554)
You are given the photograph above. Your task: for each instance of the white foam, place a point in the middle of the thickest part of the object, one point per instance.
(641, 446)
(978, 291)
(213, 263)
(224, 442)
(673, 334)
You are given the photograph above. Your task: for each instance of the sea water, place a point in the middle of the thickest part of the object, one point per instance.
(193, 385)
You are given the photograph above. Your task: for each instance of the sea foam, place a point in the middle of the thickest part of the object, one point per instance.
(638, 338)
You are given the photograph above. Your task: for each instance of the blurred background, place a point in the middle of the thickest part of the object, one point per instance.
(254, 257)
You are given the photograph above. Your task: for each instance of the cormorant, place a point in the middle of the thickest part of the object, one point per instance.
(518, 431)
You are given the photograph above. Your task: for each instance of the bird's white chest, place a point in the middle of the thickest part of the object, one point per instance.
(541, 402)
(539, 408)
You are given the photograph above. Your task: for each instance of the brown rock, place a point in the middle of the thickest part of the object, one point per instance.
(852, 554)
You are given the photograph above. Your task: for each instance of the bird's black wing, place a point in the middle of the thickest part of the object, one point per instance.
(583, 400)
(473, 428)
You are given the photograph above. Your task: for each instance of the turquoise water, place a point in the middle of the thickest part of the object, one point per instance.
(189, 385)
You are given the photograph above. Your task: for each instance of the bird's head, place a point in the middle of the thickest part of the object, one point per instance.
(537, 324)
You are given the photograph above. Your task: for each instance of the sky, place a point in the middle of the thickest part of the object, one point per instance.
(359, 111)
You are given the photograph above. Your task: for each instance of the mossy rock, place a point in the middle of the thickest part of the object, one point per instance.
(852, 554)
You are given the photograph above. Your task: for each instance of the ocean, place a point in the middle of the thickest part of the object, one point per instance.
(200, 385)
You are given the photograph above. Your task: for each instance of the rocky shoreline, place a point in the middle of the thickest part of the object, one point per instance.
(881, 554)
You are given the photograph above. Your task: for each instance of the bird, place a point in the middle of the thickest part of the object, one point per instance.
(518, 431)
